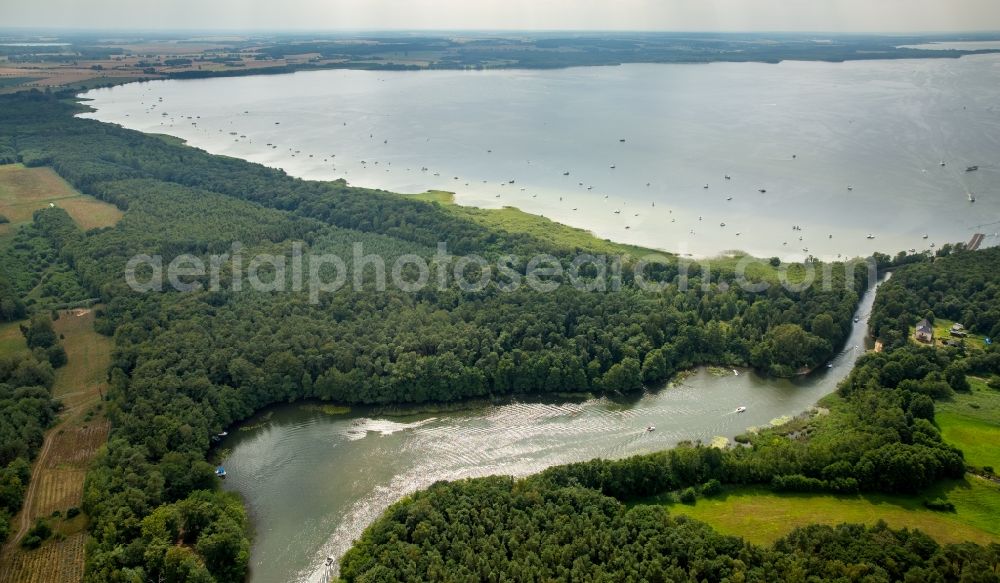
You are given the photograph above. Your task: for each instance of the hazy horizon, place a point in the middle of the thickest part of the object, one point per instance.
(218, 30)
(705, 16)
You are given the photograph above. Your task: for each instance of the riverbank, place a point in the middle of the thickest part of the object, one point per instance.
(359, 464)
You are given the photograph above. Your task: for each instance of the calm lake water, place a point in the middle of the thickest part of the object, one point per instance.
(313, 482)
(804, 132)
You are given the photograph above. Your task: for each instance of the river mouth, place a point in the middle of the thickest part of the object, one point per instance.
(313, 481)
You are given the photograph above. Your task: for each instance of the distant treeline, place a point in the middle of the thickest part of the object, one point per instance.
(589, 49)
(282, 69)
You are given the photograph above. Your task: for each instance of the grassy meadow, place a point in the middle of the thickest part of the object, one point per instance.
(762, 516)
(25, 190)
(971, 422)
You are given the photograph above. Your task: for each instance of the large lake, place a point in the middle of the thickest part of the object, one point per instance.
(805, 132)
(313, 481)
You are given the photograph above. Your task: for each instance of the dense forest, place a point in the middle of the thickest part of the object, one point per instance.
(498, 529)
(33, 267)
(588, 520)
(188, 365)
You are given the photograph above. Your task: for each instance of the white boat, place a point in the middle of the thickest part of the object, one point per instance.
(741, 409)
(650, 428)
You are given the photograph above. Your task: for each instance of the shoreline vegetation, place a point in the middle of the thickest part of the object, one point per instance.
(511, 219)
(514, 220)
(263, 417)
(153, 500)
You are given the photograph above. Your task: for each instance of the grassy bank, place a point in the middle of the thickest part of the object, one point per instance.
(762, 516)
(11, 340)
(971, 422)
(514, 220)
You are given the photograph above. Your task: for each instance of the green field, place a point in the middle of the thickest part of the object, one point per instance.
(88, 354)
(11, 339)
(968, 421)
(25, 190)
(762, 516)
(971, 422)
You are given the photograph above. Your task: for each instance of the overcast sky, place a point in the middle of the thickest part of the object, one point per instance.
(701, 15)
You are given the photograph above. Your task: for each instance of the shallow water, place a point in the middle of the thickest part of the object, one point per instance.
(879, 127)
(975, 45)
(313, 482)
